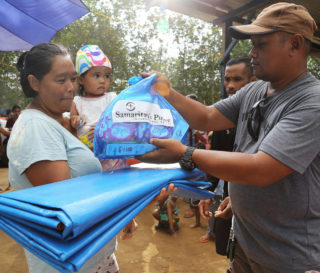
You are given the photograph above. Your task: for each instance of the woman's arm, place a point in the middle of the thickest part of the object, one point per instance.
(4, 131)
(45, 172)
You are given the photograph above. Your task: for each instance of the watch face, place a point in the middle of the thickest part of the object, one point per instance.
(185, 161)
(186, 166)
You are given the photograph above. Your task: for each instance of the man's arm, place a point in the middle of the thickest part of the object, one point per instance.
(197, 115)
(258, 169)
(202, 117)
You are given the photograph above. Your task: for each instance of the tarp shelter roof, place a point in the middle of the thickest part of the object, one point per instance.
(25, 23)
(222, 11)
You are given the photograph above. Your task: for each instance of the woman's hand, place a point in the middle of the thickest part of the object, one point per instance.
(169, 151)
(224, 211)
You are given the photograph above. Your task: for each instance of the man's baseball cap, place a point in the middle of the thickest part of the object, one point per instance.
(281, 16)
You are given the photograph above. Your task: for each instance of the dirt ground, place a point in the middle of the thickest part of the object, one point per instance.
(149, 251)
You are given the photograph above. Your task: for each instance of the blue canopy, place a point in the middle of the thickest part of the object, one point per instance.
(24, 24)
(67, 222)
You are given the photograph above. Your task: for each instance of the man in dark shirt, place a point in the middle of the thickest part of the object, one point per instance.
(238, 73)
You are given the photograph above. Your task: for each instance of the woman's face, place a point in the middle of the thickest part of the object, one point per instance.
(16, 112)
(57, 89)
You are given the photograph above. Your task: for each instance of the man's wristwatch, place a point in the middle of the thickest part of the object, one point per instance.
(185, 161)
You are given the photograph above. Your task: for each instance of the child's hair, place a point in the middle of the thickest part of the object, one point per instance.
(89, 56)
(37, 62)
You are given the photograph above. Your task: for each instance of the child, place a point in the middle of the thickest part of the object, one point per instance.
(94, 70)
(167, 214)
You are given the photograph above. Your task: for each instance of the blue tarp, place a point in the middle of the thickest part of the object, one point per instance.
(67, 222)
(24, 23)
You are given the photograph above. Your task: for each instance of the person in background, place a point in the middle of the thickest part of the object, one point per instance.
(195, 139)
(9, 114)
(274, 170)
(4, 135)
(40, 149)
(13, 116)
(238, 73)
(167, 214)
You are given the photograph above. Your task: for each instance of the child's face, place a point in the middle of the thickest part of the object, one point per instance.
(96, 81)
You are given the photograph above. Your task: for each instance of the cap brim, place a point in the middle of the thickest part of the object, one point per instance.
(316, 42)
(315, 47)
(246, 31)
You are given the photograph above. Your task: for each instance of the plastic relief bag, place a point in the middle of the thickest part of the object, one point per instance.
(135, 116)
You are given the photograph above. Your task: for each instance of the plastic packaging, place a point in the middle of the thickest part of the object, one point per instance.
(134, 80)
(136, 115)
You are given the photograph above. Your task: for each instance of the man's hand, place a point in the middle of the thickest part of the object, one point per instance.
(162, 84)
(224, 211)
(169, 151)
(204, 209)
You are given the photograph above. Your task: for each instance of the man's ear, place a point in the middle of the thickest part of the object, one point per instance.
(297, 42)
(33, 82)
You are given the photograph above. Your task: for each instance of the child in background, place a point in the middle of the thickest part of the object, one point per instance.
(94, 71)
(167, 214)
(94, 76)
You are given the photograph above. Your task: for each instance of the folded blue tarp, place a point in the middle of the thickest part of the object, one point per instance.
(67, 222)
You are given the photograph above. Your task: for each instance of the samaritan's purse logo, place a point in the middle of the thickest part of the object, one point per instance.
(141, 111)
(130, 106)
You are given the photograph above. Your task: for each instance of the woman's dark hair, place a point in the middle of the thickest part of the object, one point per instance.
(37, 62)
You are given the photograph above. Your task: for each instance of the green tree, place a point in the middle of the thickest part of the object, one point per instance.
(196, 69)
(10, 90)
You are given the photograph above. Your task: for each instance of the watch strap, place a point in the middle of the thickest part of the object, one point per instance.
(185, 161)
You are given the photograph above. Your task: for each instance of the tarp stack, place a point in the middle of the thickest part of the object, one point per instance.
(67, 222)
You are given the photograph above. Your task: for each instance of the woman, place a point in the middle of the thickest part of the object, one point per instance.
(40, 149)
(13, 116)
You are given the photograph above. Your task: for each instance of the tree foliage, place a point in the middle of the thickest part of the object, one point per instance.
(127, 32)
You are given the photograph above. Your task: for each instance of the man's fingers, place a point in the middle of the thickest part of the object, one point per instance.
(146, 74)
(149, 157)
(157, 142)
